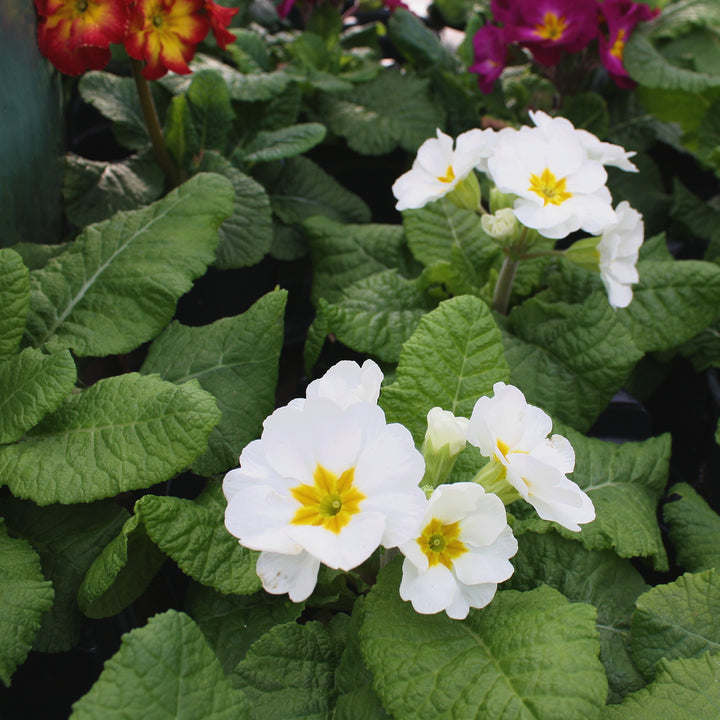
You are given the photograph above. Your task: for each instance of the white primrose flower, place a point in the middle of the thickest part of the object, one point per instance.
(460, 554)
(438, 168)
(514, 434)
(445, 429)
(618, 249)
(346, 383)
(559, 188)
(324, 484)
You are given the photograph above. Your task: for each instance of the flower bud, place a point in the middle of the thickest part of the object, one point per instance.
(444, 440)
(500, 200)
(502, 226)
(585, 254)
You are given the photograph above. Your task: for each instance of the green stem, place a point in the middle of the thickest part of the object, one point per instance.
(503, 287)
(152, 122)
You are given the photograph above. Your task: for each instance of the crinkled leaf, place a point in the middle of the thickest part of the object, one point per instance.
(526, 656)
(232, 623)
(36, 256)
(684, 689)
(67, 539)
(700, 218)
(163, 671)
(193, 534)
(210, 108)
(289, 673)
(32, 384)
(236, 359)
(420, 45)
(452, 359)
(24, 596)
(93, 191)
(117, 285)
(677, 620)
(588, 111)
(284, 143)
(14, 300)
(703, 350)
(121, 573)
(693, 527)
(603, 579)
(123, 433)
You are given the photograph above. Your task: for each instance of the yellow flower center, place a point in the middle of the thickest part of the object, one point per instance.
(503, 448)
(330, 502)
(619, 45)
(440, 543)
(552, 26)
(549, 188)
(448, 177)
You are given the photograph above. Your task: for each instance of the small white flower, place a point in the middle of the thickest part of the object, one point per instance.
(559, 188)
(501, 226)
(346, 383)
(618, 249)
(438, 168)
(324, 483)
(460, 554)
(445, 429)
(514, 434)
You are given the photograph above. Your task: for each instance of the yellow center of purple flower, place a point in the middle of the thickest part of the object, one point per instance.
(440, 543)
(549, 188)
(552, 27)
(619, 45)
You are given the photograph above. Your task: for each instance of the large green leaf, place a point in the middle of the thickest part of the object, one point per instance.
(193, 534)
(163, 671)
(526, 656)
(24, 596)
(236, 359)
(603, 579)
(123, 433)
(685, 689)
(117, 285)
(452, 359)
(420, 45)
(694, 529)
(32, 384)
(14, 300)
(677, 620)
(285, 142)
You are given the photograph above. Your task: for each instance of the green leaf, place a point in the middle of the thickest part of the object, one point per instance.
(247, 234)
(121, 573)
(232, 623)
(303, 189)
(588, 111)
(117, 285)
(236, 359)
(123, 433)
(372, 125)
(600, 578)
(570, 359)
(693, 527)
(526, 656)
(677, 620)
(163, 671)
(452, 359)
(210, 109)
(283, 143)
(694, 213)
(32, 384)
(67, 539)
(686, 689)
(342, 254)
(93, 191)
(14, 300)
(193, 534)
(420, 45)
(289, 673)
(377, 314)
(24, 596)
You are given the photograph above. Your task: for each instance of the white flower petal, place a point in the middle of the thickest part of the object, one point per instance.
(292, 574)
(346, 383)
(477, 596)
(429, 592)
(488, 564)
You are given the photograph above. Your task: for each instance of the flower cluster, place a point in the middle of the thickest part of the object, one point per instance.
(329, 481)
(75, 35)
(553, 178)
(549, 28)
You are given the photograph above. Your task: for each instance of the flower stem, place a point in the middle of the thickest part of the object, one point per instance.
(503, 287)
(152, 122)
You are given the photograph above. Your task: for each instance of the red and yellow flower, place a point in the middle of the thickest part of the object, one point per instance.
(220, 18)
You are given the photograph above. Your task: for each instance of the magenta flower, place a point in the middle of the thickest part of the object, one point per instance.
(621, 17)
(490, 54)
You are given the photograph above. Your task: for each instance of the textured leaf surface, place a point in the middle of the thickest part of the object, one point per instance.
(32, 384)
(694, 529)
(123, 433)
(24, 596)
(193, 534)
(163, 671)
(14, 300)
(289, 673)
(677, 620)
(687, 689)
(286, 142)
(603, 579)
(526, 656)
(235, 359)
(117, 285)
(452, 359)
